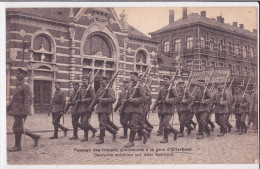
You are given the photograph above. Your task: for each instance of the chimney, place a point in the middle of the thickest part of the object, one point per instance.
(203, 13)
(171, 16)
(219, 18)
(184, 13)
(241, 26)
(255, 31)
(124, 20)
(222, 20)
(235, 24)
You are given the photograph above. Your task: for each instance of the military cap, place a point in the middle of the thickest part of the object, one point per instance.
(125, 81)
(76, 83)
(22, 70)
(164, 76)
(57, 83)
(104, 78)
(134, 73)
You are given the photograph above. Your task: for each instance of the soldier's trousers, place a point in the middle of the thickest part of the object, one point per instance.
(220, 119)
(160, 130)
(146, 120)
(135, 121)
(105, 124)
(227, 120)
(184, 120)
(75, 120)
(202, 120)
(124, 119)
(56, 116)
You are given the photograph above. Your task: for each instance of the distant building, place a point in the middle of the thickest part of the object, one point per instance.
(63, 44)
(198, 43)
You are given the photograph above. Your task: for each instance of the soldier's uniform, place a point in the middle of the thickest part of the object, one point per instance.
(183, 100)
(160, 129)
(229, 111)
(124, 119)
(241, 106)
(254, 110)
(104, 109)
(166, 108)
(85, 98)
(74, 112)
(201, 109)
(19, 108)
(191, 115)
(220, 108)
(134, 109)
(57, 110)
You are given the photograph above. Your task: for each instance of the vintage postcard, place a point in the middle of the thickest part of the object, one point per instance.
(129, 84)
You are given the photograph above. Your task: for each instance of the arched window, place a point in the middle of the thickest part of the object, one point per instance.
(42, 48)
(141, 57)
(141, 61)
(97, 45)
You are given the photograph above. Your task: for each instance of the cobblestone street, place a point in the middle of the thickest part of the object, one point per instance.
(232, 148)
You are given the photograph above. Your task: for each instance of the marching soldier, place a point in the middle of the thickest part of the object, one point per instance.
(146, 108)
(19, 108)
(230, 111)
(166, 109)
(200, 104)
(221, 100)
(74, 114)
(84, 99)
(191, 115)
(57, 110)
(104, 109)
(124, 119)
(250, 117)
(254, 111)
(133, 102)
(160, 129)
(241, 105)
(184, 99)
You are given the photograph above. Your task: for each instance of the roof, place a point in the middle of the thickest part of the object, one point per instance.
(57, 14)
(136, 33)
(194, 18)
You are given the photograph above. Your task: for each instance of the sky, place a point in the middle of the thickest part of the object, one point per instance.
(150, 19)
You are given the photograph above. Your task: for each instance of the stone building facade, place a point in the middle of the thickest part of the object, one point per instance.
(64, 44)
(195, 42)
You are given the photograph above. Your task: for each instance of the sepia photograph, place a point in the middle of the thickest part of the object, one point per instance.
(113, 85)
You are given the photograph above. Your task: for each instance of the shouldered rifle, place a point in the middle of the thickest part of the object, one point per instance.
(186, 88)
(244, 94)
(231, 84)
(147, 77)
(206, 85)
(212, 86)
(95, 100)
(171, 83)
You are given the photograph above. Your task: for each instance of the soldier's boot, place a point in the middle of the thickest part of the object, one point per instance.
(85, 138)
(145, 136)
(194, 124)
(131, 139)
(160, 131)
(245, 127)
(189, 129)
(229, 126)
(201, 131)
(165, 136)
(94, 131)
(35, 137)
(221, 134)
(114, 126)
(75, 133)
(125, 132)
(181, 131)
(238, 126)
(139, 136)
(17, 147)
(112, 131)
(101, 136)
(211, 125)
(207, 130)
(55, 135)
(64, 129)
(241, 128)
(175, 132)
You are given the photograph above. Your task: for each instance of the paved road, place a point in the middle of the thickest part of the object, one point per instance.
(232, 148)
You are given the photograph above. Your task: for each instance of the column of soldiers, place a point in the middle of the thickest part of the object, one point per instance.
(133, 107)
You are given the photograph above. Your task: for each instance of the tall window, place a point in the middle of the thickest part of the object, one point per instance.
(42, 48)
(230, 68)
(236, 49)
(245, 71)
(221, 45)
(244, 51)
(166, 45)
(202, 41)
(97, 45)
(189, 65)
(203, 65)
(177, 45)
(211, 46)
(229, 47)
(212, 64)
(251, 52)
(189, 42)
(221, 65)
(238, 69)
